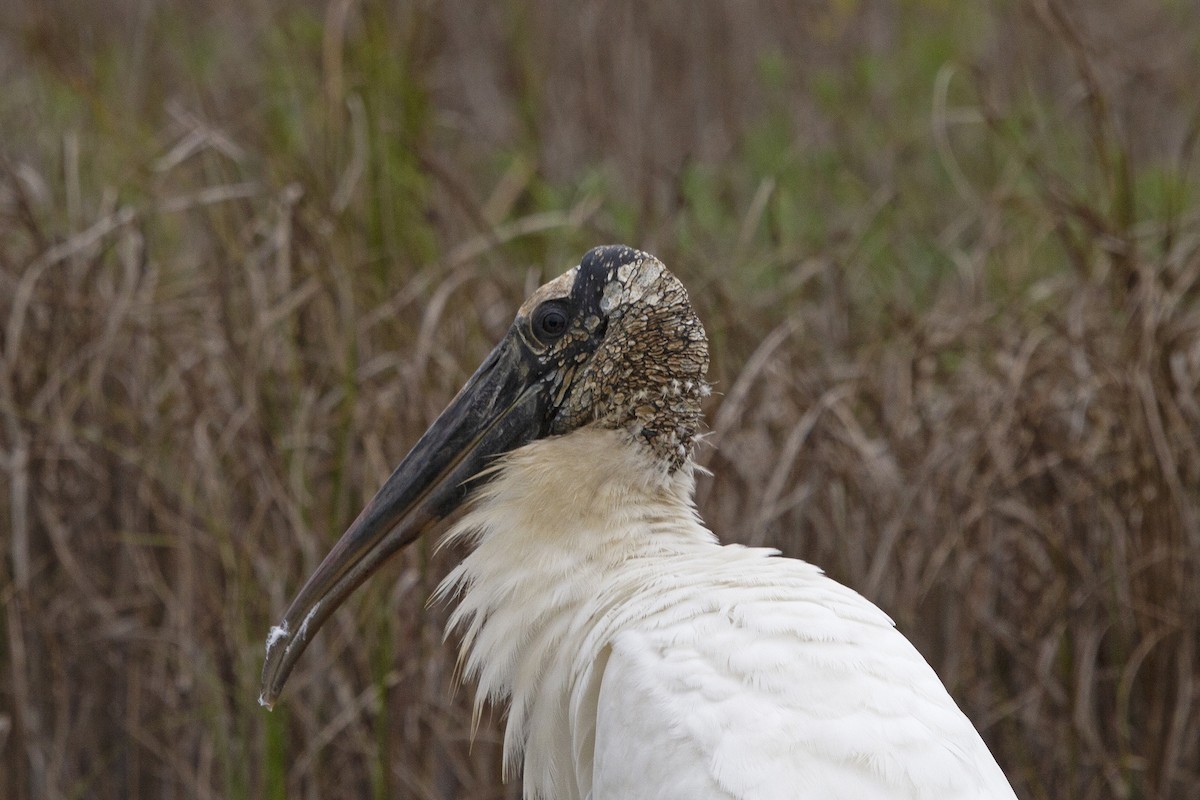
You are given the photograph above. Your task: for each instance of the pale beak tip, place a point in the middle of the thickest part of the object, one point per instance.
(278, 633)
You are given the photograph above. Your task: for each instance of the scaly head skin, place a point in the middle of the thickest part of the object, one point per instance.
(646, 371)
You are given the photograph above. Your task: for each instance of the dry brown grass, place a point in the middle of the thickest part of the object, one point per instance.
(246, 255)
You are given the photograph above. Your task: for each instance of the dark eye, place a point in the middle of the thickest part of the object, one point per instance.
(550, 321)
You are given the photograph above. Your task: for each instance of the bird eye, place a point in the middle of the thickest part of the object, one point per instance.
(550, 321)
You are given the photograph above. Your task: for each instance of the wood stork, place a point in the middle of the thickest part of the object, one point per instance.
(638, 658)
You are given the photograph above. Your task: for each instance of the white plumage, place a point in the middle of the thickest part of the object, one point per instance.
(638, 659)
(644, 660)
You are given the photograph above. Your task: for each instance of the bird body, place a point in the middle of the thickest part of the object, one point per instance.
(637, 658)
(640, 659)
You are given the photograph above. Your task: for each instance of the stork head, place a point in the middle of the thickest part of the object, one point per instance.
(613, 342)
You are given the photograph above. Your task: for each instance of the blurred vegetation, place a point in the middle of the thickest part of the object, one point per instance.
(949, 258)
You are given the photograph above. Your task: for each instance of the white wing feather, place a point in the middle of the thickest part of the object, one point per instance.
(790, 686)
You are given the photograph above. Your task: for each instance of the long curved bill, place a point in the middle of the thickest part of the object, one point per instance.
(502, 406)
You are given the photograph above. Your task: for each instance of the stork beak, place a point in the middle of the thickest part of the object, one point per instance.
(503, 406)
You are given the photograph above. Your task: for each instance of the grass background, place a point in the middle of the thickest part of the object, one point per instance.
(949, 259)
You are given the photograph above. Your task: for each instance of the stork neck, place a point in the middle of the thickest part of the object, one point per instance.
(570, 500)
(555, 536)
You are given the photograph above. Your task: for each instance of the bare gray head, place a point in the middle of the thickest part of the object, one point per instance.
(631, 352)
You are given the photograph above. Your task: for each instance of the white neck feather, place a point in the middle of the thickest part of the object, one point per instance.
(554, 531)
